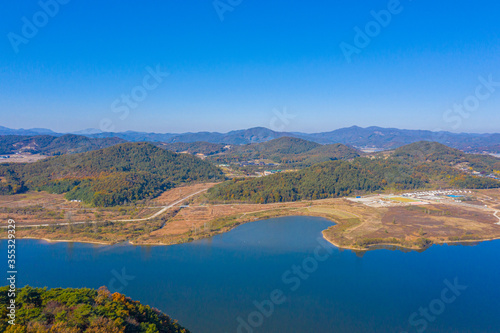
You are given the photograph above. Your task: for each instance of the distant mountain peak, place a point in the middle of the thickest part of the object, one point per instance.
(373, 136)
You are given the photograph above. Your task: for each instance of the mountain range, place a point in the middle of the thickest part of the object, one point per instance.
(53, 145)
(369, 137)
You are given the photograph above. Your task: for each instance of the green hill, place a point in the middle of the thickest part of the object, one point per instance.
(81, 310)
(198, 147)
(427, 152)
(284, 146)
(53, 145)
(121, 173)
(287, 150)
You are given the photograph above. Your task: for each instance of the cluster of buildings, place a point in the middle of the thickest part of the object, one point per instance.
(493, 176)
(433, 194)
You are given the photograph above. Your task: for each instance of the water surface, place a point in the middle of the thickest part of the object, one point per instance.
(212, 285)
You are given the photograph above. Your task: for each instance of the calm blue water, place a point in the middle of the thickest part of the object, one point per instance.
(208, 285)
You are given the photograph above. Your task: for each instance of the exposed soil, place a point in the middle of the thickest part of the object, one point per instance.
(359, 226)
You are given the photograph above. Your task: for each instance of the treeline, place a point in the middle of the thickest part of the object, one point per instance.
(111, 176)
(81, 310)
(198, 147)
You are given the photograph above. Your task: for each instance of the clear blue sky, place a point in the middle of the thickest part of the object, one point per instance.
(264, 56)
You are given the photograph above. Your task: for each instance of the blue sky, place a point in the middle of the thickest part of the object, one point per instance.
(262, 58)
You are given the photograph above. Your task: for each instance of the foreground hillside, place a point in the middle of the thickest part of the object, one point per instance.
(81, 310)
(111, 176)
(416, 166)
(324, 180)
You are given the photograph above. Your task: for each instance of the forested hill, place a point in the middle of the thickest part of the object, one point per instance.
(386, 138)
(53, 145)
(361, 175)
(329, 152)
(121, 173)
(281, 146)
(433, 152)
(81, 310)
(288, 150)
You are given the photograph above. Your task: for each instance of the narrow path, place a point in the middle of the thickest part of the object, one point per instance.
(495, 214)
(161, 211)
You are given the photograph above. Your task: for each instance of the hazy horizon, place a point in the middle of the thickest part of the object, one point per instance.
(198, 67)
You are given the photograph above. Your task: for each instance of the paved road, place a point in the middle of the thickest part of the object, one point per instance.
(161, 211)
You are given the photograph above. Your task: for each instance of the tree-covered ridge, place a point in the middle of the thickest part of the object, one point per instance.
(342, 178)
(329, 152)
(433, 152)
(39, 310)
(54, 145)
(110, 176)
(323, 180)
(282, 146)
(287, 150)
(198, 147)
(427, 151)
